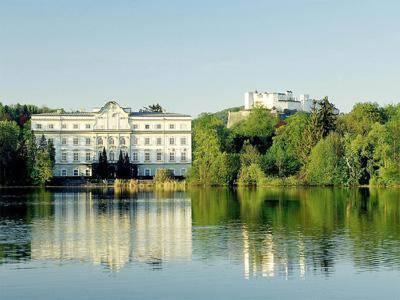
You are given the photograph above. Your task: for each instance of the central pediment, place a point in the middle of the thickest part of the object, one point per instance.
(111, 117)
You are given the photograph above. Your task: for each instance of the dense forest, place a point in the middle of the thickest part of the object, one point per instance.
(23, 159)
(323, 147)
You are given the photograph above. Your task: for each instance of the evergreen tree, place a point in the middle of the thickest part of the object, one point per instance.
(42, 169)
(9, 133)
(323, 118)
(42, 143)
(127, 167)
(323, 121)
(103, 170)
(52, 152)
(121, 173)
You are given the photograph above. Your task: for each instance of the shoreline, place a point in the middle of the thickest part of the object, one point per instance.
(152, 185)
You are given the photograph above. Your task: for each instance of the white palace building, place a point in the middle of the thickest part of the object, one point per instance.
(152, 140)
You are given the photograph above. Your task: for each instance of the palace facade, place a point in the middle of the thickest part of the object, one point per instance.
(152, 140)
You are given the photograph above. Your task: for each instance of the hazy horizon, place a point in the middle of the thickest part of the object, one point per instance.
(196, 57)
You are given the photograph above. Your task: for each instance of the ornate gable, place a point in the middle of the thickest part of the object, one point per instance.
(112, 117)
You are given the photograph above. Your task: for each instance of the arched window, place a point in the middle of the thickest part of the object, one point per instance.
(99, 141)
(112, 157)
(122, 141)
(110, 141)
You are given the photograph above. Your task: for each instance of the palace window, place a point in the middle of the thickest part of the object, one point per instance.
(76, 141)
(134, 156)
(171, 141)
(135, 126)
(87, 126)
(63, 172)
(183, 141)
(76, 126)
(76, 172)
(147, 141)
(111, 141)
(99, 141)
(76, 156)
(158, 126)
(63, 141)
(147, 126)
(134, 141)
(147, 156)
(51, 126)
(38, 126)
(87, 141)
(64, 126)
(159, 156)
(159, 141)
(87, 172)
(183, 156)
(147, 172)
(112, 156)
(122, 141)
(171, 126)
(88, 156)
(63, 156)
(172, 156)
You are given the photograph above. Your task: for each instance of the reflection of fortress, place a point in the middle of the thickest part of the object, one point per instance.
(82, 229)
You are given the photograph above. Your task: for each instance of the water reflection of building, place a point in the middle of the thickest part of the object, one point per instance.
(270, 255)
(163, 230)
(109, 233)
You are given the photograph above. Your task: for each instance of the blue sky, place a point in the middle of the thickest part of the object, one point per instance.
(196, 56)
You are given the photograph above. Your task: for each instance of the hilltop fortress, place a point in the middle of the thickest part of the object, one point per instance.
(283, 104)
(278, 101)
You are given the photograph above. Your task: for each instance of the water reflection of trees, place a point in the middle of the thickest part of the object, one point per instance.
(295, 231)
(271, 232)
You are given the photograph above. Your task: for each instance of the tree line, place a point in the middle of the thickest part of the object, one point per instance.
(361, 147)
(24, 160)
(323, 147)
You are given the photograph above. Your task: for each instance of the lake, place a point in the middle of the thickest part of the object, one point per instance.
(315, 243)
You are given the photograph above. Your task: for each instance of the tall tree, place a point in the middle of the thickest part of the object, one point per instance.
(127, 167)
(209, 162)
(323, 121)
(103, 168)
(42, 170)
(326, 165)
(288, 153)
(9, 133)
(52, 152)
(121, 172)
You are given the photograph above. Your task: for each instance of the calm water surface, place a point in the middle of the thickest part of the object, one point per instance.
(200, 244)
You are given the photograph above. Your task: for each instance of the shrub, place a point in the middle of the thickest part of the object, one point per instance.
(251, 175)
(162, 175)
